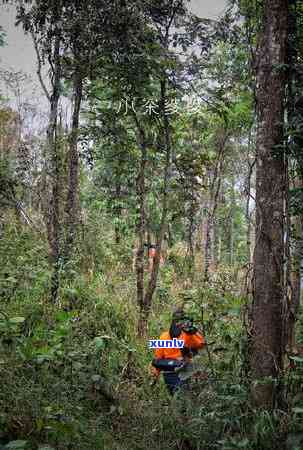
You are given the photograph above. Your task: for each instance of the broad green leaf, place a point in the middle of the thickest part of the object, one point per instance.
(99, 343)
(17, 320)
(297, 410)
(11, 280)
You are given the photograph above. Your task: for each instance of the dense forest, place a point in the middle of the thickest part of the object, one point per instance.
(157, 186)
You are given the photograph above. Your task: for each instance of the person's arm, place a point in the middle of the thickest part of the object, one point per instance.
(195, 341)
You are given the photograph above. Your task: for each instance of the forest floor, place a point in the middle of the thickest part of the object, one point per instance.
(75, 376)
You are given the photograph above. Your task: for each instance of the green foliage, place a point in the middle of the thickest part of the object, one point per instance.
(61, 368)
(74, 374)
(23, 270)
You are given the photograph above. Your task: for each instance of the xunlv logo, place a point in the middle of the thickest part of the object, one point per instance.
(166, 343)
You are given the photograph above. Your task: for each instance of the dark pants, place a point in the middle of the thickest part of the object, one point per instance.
(173, 382)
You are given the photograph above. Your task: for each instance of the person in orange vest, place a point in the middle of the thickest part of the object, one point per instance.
(167, 359)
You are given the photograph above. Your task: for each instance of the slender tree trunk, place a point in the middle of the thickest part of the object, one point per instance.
(190, 234)
(71, 209)
(53, 224)
(147, 302)
(248, 212)
(141, 230)
(267, 311)
(208, 244)
(141, 193)
(232, 223)
(211, 214)
(118, 210)
(212, 204)
(217, 244)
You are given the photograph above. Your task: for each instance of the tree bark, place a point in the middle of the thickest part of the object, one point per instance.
(141, 193)
(71, 209)
(232, 223)
(214, 191)
(191, 231)
(267, 310)
(118, 211)
(208, 244)
(53, 224)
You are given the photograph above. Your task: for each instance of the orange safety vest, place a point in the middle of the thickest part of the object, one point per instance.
(152, 252)
(195, 341)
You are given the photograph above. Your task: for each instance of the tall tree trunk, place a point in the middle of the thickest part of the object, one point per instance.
(208, 244)
(214, 191)
(190, 232)
(141, 193)
(232, 223)
(147, 302)
(217, 244)
(118, 211)
(53, 224)
(71, 209)
(267, 310)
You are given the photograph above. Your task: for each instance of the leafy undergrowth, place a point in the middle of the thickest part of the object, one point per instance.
(76, 377)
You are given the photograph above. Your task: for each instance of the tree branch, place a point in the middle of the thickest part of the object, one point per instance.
(39, 66)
